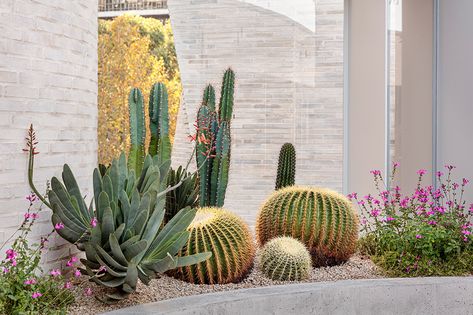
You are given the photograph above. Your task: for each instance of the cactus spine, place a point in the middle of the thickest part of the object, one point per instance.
(285, 259)
(137, 131)
(286, 166)
(160, 143)
(322, 219)
(228, 238)
(214, 142)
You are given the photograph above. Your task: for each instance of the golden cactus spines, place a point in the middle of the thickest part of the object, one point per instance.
(285, 259)
(322, 219)
(228, 237)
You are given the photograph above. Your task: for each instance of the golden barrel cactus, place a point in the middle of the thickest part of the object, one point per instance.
(322, 219)
(285, 259)
(229, 239)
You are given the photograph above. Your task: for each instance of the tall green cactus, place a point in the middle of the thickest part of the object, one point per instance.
(214, 142)
(137, 131)
(160, 143)
(286, 166)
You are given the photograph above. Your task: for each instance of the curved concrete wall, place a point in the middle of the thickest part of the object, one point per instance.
(48, 77)
(416, 296)
(288, 59)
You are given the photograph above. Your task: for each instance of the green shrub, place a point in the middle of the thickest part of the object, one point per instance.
(23, 290)
(427, 233)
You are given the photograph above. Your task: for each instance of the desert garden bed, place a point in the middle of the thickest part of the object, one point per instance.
(164, 288)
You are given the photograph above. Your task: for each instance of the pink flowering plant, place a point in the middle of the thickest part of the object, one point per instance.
(23, 288)
(427, 232)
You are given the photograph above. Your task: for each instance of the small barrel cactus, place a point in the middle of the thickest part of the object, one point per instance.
(228, 238)
(285, 259)
(286, 166)
(322, 219)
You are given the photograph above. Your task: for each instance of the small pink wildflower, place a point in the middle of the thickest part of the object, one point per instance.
(465, 181)
(88, 291)
(396, 164)
(59, 226)
(450, 167)
(5, 270)
(439, 174)
(432, 222)
(55, 272)
(27, 215)
(30, 281)
(421, 172)
(375, 212)
(68, 285)
(389, 219)
(102, 268)
(31, 198)
(36, 295)
(94, 222)
(35, 215)
(71, 261)
(418, 236)
(77, 273)
(376, 172)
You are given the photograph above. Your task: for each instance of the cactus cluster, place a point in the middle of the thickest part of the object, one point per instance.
(285, 259)
(123, 236)
(228, 238)
(214, 142)
(286, 166)
(160, 142)
(323, 220)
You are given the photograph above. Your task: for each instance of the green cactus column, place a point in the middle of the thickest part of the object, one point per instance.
(203, 152)
(286, 166)
(160, 143)
(137, 131)
(225, 109)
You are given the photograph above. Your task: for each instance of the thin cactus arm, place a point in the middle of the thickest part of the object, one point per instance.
(209, 97)
(226, 99)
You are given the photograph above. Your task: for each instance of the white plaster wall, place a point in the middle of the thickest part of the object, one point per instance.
(48, 77)
(288, 58)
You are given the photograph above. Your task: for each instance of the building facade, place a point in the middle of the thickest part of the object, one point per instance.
(48, 77)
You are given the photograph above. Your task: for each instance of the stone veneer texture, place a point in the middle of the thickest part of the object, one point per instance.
(288, 58)
(48, 77)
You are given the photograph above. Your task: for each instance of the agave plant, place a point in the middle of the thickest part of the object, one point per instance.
(121, 231)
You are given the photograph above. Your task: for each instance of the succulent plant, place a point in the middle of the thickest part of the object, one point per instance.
(184, 196)
(160, 142)
(214, 142)
(322, 219)
(137, 130)
(286, 166)
(228, 238)
(121, 231)
(285, 259)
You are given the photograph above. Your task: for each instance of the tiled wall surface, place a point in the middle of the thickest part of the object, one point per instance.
(288, 58)
(48, 77)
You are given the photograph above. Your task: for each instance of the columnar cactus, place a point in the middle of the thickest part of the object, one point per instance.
(137, 131)
(228, 238)
(214, 142)
(285, 259)
(322, 219)
(286, 166)
(160, 143)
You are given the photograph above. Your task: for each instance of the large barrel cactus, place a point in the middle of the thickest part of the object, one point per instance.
(286, 166)
(229, 239)
(285, 259)
(214, 142)
(322, 219)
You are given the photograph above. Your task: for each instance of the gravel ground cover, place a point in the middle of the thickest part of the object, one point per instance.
(357, 267)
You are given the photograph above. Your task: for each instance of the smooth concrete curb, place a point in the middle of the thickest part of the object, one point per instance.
(446, 295)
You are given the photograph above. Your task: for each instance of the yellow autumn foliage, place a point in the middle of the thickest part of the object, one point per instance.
(132, 52)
